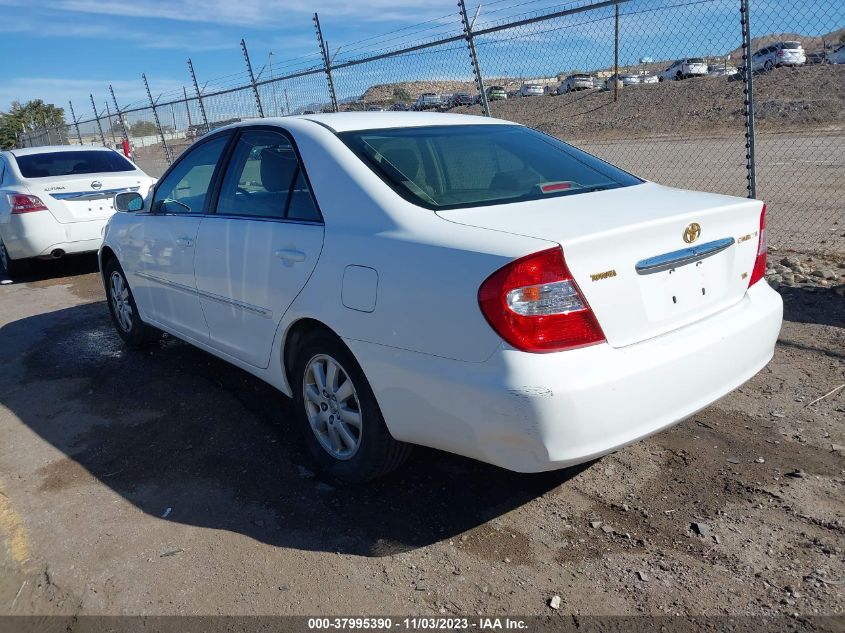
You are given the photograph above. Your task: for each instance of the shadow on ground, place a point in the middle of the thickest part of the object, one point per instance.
(174, 427)
(39, 271)
(820, 306)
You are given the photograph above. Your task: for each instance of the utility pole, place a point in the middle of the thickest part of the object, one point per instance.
(252, 79)
(327, 63)
(75, 122)
(158, 123)
(479, 82)
(97, 116)
(199, 97)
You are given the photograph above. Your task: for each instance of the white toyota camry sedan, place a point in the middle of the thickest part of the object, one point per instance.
(55, 201)
(457, 282)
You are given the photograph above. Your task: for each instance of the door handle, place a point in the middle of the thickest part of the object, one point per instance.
(184, 242)
(289, 255)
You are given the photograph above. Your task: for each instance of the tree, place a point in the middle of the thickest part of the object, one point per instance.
(32, 116)
(143, 128)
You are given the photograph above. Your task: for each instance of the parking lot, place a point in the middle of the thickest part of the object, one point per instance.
(166, 481)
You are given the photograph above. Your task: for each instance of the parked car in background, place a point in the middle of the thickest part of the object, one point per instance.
(55, 201)
(533, 313)
(780, 54)
(460, 99)
(577, 81)
(648, 79)
(626, 79)
(531, 90)
(428, 101)
(399, 107)
(818, 57)
(496, 93)
(721, 70)
(684, 69)
(837, 56)
(550, 90)
(375, 108)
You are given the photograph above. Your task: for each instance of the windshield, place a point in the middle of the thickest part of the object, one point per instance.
(51, 164)
(455, 166)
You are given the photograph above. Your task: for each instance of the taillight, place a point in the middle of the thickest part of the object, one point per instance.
(779, 53)
(760, 262)
(535, 305)
(22, 203)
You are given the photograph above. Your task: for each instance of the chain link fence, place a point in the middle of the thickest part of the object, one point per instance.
(658, 87)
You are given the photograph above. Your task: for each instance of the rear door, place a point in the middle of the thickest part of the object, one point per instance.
(161, 246)
(257, 251)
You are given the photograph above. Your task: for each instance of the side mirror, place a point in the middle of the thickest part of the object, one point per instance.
(128, 201)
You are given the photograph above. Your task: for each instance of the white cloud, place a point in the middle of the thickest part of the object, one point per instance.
(60, 90)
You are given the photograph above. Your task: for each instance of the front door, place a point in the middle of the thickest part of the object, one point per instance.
(166, 239)
(257, 251)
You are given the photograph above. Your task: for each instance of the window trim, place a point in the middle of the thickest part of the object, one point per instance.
(226, 161)
(212, 186)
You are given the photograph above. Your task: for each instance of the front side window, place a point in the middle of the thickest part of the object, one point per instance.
(264, 179)
(185, 188)
(71, 163)
(454, 166)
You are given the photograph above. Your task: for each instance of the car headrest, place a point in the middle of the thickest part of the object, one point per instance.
(277, 168)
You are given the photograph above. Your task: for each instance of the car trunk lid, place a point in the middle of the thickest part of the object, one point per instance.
(629, 253)
(79, 198)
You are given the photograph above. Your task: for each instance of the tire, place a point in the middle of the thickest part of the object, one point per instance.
(679, 76)
(768, 66)
(124, 313)
(343, 429)
(10, 268)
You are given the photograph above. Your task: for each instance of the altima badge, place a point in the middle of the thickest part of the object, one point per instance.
(692, 232)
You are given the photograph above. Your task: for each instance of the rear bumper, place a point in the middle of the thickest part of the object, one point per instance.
(535, 412)
(39, 234)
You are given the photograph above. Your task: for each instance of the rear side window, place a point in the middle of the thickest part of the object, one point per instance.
(264, 179)
(447, 167)
(71, 163)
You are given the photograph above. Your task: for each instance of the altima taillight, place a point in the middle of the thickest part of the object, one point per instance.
(22, 203)
(535, 305)
(760, 261)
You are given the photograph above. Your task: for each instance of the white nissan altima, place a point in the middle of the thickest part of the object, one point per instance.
(457, 282)
(55, 201)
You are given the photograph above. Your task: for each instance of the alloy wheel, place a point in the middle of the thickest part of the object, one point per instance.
(119, 296)
(332, 407)
(4, 258)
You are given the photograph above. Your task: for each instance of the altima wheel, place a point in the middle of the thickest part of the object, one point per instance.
(124, 311)
(332, 406)
(341, 421)
(768, 65)
(9, 268)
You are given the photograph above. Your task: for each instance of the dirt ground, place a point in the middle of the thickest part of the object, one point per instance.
(168, 482)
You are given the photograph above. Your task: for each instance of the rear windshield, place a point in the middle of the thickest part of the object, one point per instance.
(695, 60)
(792, 45)
(455, 166)
(51, 164)
(581, 76)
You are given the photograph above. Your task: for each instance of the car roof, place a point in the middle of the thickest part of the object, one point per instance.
(352, 121)
(49, 149)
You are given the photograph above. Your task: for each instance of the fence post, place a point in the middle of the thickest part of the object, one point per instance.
(479, 82)
(199, 96)
(119, 114)
(158, 123)
(252, 79)
(111, 125)
(327, 64)
(187, 107)
(748, 101)
(97, 117)
(616, 53)
(75, 122)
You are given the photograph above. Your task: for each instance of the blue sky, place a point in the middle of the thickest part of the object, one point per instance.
(65, 49)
